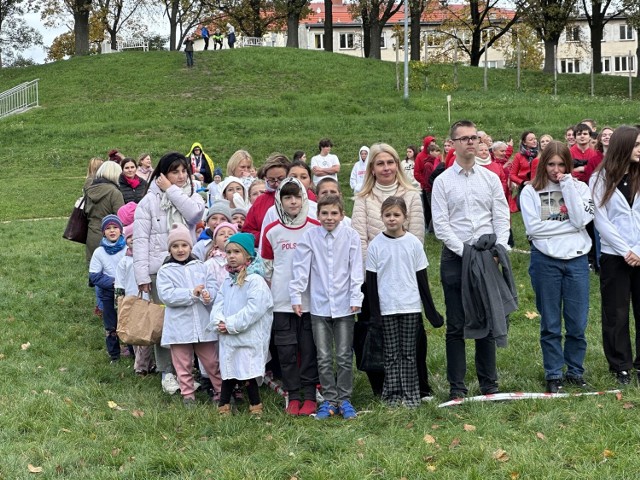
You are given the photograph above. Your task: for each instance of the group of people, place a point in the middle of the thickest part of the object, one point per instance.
(263, 275)
(218, 40)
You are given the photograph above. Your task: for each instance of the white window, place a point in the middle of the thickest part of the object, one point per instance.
(319, 41)
(570, 65)
(383, 42)
(572, 34)
(435, 39)
(623, 64)
(606, 64)
(626, 32)
(346, 41)
(491, 64)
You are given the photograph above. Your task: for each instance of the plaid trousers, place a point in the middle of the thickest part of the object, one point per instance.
(400, 371)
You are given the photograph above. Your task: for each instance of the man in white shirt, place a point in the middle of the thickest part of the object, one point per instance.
(326, 164)
(467, 201)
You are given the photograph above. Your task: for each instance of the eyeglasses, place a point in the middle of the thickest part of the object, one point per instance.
(274, 181)
(472, 138)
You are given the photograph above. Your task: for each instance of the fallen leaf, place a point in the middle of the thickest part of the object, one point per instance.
(469, 428)
(514, 475)
(429, 438)
(137, 413)
(619, 396)
(25, 346)
(435, 426)
(1, 356)
(409, 425)
(628, 405)
(33, 469)
(48, 392)
(115, 452)
(62, 369)
(164, 437)
(455, 443)
(68, 401)
(360, 441)
(531, 315)
(293, 478)
(608, 453)
(500, 455)
(431, 468)
(541, 436)
(268, 438)
(114, 406)
(59, 470)
(39, 367)
(291, 454)
(121, 469)
(65, 430)
(360, 455)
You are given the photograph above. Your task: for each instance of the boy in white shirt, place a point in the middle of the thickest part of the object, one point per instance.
(328, 259)
(326, 163)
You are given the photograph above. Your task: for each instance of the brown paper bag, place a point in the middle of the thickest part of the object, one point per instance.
(139, 321)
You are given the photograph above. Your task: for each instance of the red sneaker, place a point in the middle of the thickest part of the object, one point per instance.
(308, 407)
(293, 408)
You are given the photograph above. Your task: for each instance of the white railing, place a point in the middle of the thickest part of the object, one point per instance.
(252, 42)
(19, 99)
(132, 43)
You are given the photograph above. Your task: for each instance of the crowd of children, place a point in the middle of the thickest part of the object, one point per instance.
(270, 277)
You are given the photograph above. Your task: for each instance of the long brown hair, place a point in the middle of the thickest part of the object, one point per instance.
(617, 162)
(552, 149)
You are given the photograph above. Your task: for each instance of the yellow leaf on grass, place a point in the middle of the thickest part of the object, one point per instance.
(360, 441)
(137, 413)
(25, 346)
(541, 436)
(469, 428)
(114, 406)
(429, 438)
(65, 430)
(514, 475)
(608, 453)
(431, 468)
(33, 469)
(531, 315)
(500, 455)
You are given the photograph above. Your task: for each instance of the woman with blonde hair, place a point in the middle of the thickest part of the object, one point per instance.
(145, 169)
(385, 178)
(92, 169)
(240, 165)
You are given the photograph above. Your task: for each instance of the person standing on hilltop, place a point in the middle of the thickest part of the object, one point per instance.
(204, 31)
(231, 35)
(188, 50)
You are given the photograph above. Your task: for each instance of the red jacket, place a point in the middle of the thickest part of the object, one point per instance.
(499, 170)
(581, 158)
(593, 163)
(419, 163)
(521, 170)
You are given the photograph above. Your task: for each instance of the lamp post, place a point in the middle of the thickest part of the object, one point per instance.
(406, 50)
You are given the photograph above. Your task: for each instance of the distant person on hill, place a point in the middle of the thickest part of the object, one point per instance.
(145, 169)
(231, 35)
(201, 164)
(131, 185)
(218, 39)
(188, 50)
(325, 163)
(204, 31)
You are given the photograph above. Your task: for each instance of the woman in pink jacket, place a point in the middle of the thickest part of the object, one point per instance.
(170, 199)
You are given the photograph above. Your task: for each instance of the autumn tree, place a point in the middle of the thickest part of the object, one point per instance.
(55, 12)
(548, 18)
(252, 17)
(15, 34)
(374, 15)
(477, 26)
(525, 39)
(63, 45)
(598, 14)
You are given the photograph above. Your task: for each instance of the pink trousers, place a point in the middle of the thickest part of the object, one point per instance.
(182, 358)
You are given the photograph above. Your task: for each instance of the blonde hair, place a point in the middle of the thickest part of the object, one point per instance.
(111, 171)
(143, 156)
(257, 182)
(370, 179)
(94, 165)
(235, 160)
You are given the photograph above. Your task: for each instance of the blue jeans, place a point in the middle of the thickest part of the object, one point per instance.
(328, 332)
(562, 290)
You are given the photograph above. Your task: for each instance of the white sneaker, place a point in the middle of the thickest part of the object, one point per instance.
(170, 384)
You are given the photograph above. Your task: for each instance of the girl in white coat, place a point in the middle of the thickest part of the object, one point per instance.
(242, 314)
(184, 283)
(615, 187)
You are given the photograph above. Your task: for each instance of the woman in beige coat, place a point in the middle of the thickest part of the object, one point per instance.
(385, 178)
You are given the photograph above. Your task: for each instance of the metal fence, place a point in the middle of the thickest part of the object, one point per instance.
(19, 99)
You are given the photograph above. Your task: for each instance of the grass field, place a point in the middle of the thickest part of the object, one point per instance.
(57, 383)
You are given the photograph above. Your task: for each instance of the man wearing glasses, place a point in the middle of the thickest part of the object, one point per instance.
(467, 201)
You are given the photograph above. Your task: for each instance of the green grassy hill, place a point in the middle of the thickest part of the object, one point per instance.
(64, 409)
(266, 100)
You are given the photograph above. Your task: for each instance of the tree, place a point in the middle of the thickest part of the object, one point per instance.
(531, 55)
(64, 44)
(483, 21)
(597, 17)
(374, 14)
(252, 17)
(54, 12)
(116, 14)
(15, 34)
(416, 9)
(548, 18)
(294, 10)
(328, 26)
(183, 16)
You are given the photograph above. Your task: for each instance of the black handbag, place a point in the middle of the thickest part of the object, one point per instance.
(78, 224)
(373, 350)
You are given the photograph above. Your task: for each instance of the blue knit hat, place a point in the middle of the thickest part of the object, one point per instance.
(246, 241)
(111, 220)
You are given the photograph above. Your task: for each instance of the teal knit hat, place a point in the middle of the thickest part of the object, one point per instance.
(246, 241)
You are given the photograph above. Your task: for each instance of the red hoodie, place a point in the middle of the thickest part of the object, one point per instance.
(420, 162)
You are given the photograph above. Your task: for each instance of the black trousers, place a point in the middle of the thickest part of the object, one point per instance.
(293, 338)
(619, 286)
(485, 357)
(253, 392)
